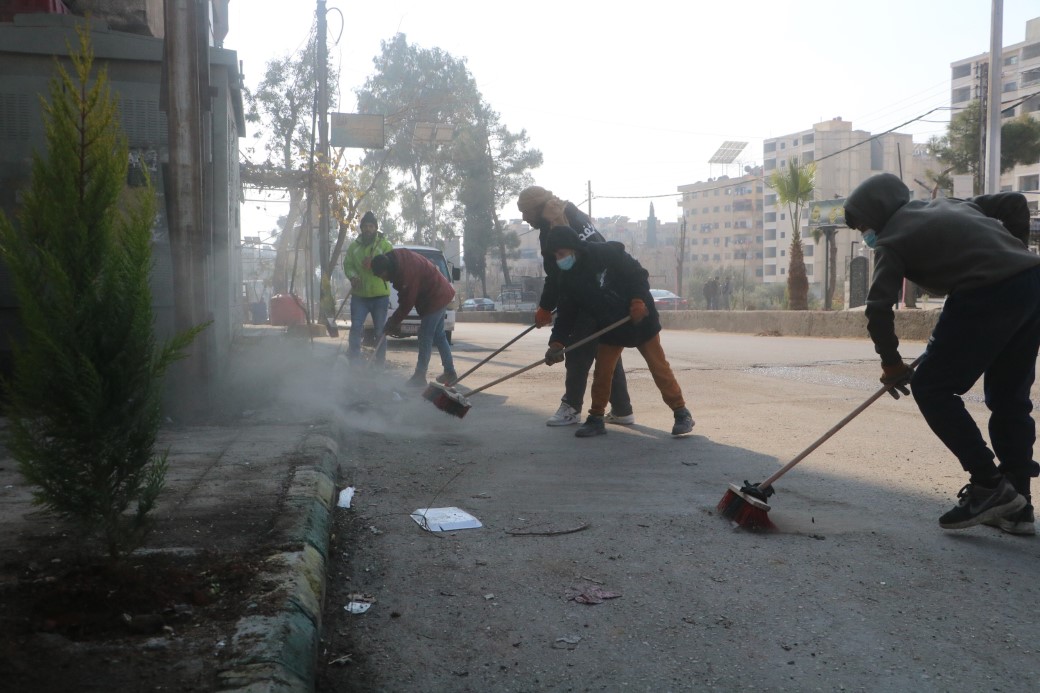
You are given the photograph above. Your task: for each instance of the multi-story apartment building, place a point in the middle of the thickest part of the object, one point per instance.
(1020, 94)
(723, 219)
(844, 158)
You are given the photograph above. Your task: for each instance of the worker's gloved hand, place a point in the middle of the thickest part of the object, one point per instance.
(637, 310)
(553, 212)
(898, 377)
(554, 354)
(393, 329)
(542, 317)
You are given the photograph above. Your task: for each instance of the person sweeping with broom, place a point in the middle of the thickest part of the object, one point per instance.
(422, 286)
(601, 280)
(532, 204)
(989, 328)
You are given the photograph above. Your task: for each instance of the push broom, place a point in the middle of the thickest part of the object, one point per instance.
(434, 390)
(458, 405)
(746, 505)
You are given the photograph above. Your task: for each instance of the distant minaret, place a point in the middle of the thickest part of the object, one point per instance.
(651, 229)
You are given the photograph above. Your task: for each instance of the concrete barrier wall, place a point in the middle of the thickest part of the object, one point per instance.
(910, 324)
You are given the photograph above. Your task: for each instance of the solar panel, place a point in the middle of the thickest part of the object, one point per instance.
(727, 152)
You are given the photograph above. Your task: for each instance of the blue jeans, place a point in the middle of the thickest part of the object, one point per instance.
(992, 332)
(360, 308)
(431, 333)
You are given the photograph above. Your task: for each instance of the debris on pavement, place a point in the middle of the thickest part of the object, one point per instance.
(595, 595)
(444, 519)
(359, 603)
(345, 497)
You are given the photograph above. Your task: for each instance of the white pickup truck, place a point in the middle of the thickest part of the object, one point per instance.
(410, 325)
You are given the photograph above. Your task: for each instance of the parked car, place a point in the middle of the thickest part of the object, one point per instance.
(666, 300)
(517, 300)
(477, 304)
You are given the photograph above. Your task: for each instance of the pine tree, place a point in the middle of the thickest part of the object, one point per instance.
(84, 398)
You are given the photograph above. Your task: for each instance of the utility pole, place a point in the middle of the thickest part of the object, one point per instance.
(322, 69)
(682, 256)
(590, 199)
(992, 116)
(182, 102)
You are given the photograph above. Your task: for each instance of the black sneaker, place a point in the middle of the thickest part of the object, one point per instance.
(683, 422)
(978, 504)
(593, 426)
(1021, 522)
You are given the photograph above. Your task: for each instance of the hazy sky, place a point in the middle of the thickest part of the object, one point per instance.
(636, 101)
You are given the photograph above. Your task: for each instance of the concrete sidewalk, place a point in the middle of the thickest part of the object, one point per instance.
(262, 479)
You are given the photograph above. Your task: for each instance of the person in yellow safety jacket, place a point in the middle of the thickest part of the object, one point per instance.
(369, 295)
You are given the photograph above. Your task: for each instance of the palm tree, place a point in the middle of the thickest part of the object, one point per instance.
(794, 188)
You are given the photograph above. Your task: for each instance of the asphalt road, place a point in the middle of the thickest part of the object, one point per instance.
(860, 589)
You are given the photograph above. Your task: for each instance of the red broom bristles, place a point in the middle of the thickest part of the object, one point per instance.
(744, 511)
(450, 402)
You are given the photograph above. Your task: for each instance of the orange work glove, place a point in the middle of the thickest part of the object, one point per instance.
(637, 310)
(554, 354)
(897, 376)
(542, 317)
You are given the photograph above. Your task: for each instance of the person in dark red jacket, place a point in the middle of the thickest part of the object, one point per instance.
(422, 286)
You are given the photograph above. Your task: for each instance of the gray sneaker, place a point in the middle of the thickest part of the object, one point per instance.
(593, 426)
(977, 504)
(1021, 522)
(683, 422)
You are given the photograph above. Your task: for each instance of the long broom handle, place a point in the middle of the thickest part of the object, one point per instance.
(572, 347)
(494, 354)
(834, 429)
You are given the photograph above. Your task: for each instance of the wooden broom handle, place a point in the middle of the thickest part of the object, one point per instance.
(834, 429)
(572, 347)
(493, 354)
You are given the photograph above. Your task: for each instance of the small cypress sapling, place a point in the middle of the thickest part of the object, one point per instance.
(84, 399)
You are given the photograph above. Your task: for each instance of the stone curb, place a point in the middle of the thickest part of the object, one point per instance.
(278, 653)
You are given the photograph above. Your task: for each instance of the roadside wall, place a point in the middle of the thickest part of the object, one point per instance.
(910, 324)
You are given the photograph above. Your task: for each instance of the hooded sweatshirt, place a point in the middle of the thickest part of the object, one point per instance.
(945, 246)
(602, 284)
(582, 225)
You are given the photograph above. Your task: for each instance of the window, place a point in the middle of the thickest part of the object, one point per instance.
(770, 235)
(808, 270)
(807, 249)
(1029, 183)
(961, 95)
(783, 145)
(783, 253)
(961, 71)
(770, 252)
(769, 147)
(794, 143)
(1011, 60)
(810, 156)
(770, 270)
(1010, 86)
(770, 217)
(716, 209)
(1031, 51)
(809, 139)
(771, 200)
(770, 164)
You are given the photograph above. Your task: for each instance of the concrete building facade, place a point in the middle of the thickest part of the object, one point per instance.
(1020, 95)
(844, 158)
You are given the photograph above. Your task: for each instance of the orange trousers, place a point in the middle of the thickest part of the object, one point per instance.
(607, 356)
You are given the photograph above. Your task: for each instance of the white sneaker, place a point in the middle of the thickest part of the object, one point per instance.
(613, 418)
(566, 415)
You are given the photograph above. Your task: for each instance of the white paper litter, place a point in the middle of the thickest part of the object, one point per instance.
(358, 607)
(444, 519)
(345, 497)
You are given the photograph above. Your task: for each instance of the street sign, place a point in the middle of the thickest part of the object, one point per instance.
(357, 130)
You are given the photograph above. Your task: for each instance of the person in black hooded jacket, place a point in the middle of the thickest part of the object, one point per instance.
(603, 282)
(989, 328)
(532, 203)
